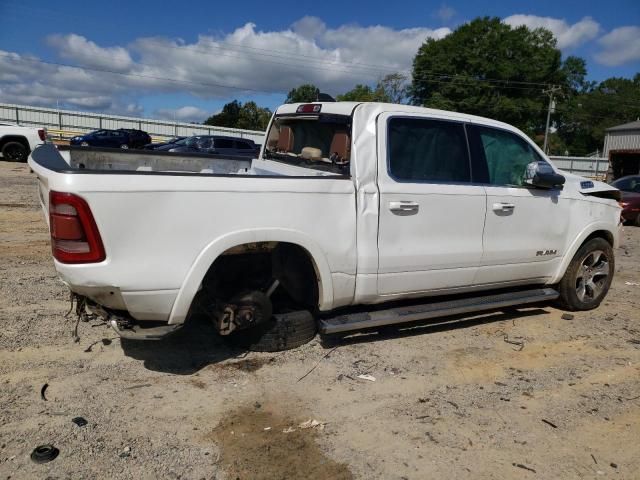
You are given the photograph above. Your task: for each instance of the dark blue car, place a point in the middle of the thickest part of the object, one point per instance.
(122, 138)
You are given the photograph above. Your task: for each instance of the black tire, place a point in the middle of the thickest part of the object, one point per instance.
(15, 152)
(281, 332)
(637, 221)
(588, 277)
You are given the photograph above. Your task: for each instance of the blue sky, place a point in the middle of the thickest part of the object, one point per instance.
(184, 60)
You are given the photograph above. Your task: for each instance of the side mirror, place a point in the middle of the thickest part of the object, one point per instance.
(541, 175)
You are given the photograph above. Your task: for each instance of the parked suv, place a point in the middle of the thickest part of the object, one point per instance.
(216, 144)
(121, 138)
(630, 187)
(167, 145)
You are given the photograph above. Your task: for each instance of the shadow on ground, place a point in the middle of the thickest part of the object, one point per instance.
(454, 322)
(187, 351)
(198, 345)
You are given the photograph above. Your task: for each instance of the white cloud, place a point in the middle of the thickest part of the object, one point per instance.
(224, 66)
(444, 13)
(619, 46)
(77, 48)
(568, 36)
(309, 27)
(183, 114)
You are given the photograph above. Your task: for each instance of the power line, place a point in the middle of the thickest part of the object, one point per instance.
(449, 78)
(153, 77)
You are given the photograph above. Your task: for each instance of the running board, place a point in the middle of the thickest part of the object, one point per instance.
(392, 316)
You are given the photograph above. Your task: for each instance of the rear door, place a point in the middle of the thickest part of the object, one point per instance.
(245, 149)
(525, 227)
(431, 215)
(224, 146)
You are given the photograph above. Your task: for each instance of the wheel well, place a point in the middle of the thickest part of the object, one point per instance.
(254, 266)
(608, 236)
(14, 138)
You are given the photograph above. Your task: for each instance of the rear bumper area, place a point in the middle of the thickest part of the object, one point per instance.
(149, 305)
(127, 327)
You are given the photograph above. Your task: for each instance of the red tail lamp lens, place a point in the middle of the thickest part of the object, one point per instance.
(74, 234)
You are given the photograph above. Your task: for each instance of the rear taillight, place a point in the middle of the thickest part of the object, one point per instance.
(74, 233)
(42, 133)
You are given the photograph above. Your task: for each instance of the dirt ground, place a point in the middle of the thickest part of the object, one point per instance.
(448, 401)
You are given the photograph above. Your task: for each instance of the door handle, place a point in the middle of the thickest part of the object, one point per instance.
(503, 207)
(403, 206)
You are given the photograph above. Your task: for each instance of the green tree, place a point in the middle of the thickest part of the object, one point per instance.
(583, 116)
(488, 68)
(237, 115)
(574, 72)
(302, 94)
(228, 117)
(364, 93)
(395, 87)
(253, 117)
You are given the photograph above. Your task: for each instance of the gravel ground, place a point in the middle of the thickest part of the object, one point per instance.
(450, 400)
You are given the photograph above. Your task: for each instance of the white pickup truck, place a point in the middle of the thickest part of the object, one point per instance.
(17, 141)
(354, 216)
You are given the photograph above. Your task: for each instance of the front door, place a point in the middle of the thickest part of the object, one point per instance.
(526, 228)
(431, 215)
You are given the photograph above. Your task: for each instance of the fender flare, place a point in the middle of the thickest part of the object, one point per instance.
(217, 247)
(577, 243)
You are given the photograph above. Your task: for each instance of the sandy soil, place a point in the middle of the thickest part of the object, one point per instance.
(448, 401)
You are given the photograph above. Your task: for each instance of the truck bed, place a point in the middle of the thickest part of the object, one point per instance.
(93, 159)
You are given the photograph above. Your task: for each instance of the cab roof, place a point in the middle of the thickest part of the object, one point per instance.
(347, 108)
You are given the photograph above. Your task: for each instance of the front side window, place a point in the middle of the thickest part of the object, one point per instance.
(204, 142)
(423, 150)
(507, 156)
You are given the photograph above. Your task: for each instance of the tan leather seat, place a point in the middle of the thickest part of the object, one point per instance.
(341, 146)
(285, 139)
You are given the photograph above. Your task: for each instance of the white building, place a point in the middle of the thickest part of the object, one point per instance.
(622, 147)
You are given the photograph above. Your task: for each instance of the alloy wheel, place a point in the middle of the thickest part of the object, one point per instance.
(592, 276)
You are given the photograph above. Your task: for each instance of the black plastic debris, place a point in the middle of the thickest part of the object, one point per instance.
(42, 390)
(44, 453)
(79, 421)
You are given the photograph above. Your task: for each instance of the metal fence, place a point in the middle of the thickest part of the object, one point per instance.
(592, 167)
(64, 124)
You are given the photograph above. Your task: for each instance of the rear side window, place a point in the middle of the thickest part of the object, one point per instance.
(223, 143)
(243, 145)
(422, 150)
(506, 154)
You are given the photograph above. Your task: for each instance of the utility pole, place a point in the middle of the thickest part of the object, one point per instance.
(551, 91)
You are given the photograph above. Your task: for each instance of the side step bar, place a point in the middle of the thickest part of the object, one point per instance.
(392, 316)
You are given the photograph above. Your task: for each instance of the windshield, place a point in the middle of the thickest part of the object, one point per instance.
(321, 142)
(628, 184)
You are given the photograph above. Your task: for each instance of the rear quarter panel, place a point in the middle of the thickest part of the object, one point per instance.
(162, 232)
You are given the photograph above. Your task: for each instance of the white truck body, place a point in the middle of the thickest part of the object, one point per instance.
(371, 237)
(28, 137)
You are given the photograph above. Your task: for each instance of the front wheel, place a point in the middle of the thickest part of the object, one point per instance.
(588, 277)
